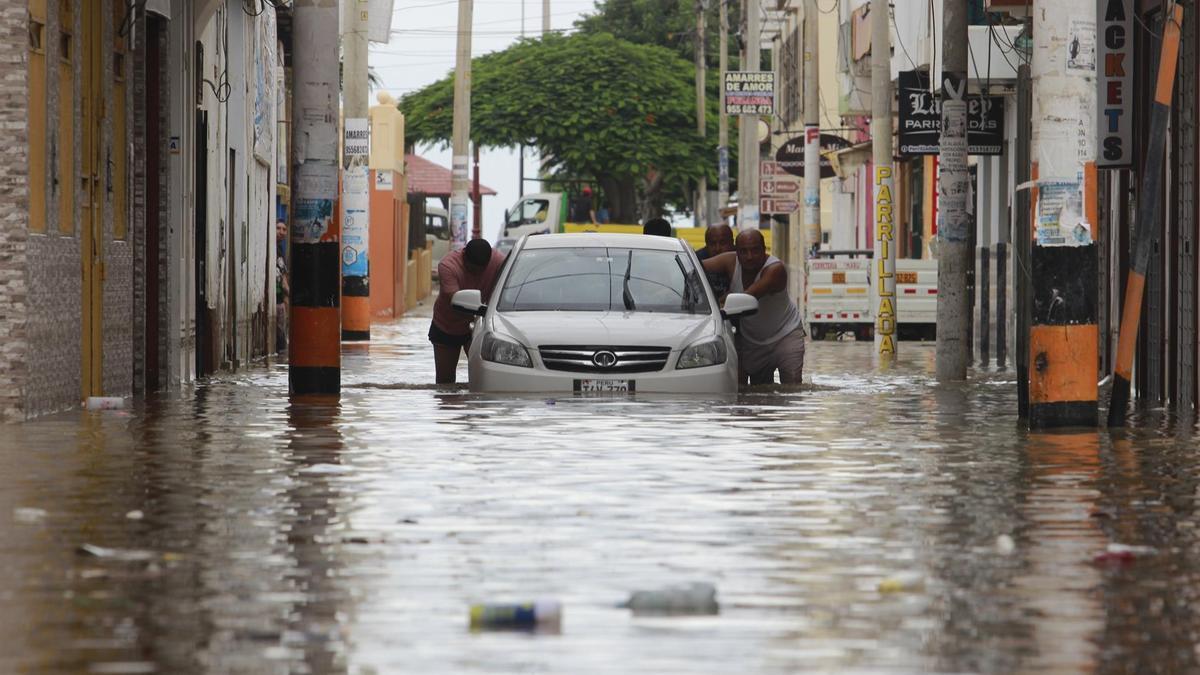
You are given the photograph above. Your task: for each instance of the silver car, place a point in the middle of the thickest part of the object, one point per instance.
(600, 313)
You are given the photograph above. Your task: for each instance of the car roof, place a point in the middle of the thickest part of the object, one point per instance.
(580, 239)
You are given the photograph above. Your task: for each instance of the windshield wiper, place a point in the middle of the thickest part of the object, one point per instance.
(627, 296)
(689, 293)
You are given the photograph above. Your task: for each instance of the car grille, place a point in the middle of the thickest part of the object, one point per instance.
(582, 358)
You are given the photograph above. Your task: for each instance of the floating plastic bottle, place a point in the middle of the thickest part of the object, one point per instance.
(540, 614)
(684, 599)
(105, 403)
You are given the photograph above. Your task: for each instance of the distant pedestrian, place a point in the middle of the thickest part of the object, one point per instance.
(718, 239)
(772, 338)
(582, 210)
(658, 227)
(282, 288)
(474, 267)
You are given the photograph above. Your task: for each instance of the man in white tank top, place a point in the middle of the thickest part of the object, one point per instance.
(772, 338)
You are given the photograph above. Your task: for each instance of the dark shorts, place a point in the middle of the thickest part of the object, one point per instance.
(440, 337)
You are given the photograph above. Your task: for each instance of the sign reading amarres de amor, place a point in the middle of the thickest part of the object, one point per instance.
(749, 92)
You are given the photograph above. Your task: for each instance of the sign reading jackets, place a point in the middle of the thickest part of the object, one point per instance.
(750, 92)
(921, 119)
(1114, 84)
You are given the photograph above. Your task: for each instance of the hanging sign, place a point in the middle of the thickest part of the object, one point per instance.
(790, 155)
(1114, 84)
(749, 92)
(920, 114)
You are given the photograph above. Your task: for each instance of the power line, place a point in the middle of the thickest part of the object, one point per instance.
(900, 42)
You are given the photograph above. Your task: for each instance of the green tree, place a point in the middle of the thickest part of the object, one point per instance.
(598, 108)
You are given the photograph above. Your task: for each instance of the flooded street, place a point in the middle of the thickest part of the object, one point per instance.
(869, 522)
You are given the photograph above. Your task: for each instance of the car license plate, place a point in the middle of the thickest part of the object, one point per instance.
(604, 386)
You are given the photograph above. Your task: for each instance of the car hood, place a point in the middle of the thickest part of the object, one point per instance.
(624, 329)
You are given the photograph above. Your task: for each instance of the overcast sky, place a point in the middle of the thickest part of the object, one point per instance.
(421, 51)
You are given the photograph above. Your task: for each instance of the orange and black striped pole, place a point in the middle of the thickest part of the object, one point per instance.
(314, 354)
(1148, 212)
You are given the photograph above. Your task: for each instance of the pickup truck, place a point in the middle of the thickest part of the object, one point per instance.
(537, 213)
(839, 296)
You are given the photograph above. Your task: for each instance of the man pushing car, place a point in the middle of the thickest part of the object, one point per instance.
(476, 266)
(772, 338)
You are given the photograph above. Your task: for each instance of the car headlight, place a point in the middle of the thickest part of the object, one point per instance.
(500, 350)
(707, 353)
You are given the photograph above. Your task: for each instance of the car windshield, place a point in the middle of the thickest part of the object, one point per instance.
(598, 279)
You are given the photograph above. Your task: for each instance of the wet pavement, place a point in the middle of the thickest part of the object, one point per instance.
(868, 522)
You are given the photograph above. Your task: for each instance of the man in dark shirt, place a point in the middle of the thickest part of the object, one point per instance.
(718, 239)
(581, 207)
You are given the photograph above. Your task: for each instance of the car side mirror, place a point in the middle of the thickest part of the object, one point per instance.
(470, 301)
(736, 304)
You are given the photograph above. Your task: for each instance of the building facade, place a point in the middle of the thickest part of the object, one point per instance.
(141, 194)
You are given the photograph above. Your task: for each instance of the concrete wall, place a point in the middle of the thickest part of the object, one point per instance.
(14, 207)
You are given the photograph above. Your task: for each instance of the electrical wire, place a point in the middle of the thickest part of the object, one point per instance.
(900, 42)
(933, 44)
(127, 21)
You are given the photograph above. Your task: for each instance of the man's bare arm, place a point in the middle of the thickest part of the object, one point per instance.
(720, 263)
(772, 280)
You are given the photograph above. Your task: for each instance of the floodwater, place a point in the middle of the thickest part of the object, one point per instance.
(871, 522)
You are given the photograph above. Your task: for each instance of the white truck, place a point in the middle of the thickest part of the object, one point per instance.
(537, 213)
(838, 298)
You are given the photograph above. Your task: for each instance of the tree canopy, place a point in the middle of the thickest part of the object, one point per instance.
(598, 108)
(667, 23)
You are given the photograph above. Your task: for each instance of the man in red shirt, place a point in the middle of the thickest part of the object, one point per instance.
(474, 267)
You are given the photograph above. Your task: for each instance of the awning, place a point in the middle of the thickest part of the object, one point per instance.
(848, 160)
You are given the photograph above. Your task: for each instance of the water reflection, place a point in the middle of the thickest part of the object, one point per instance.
(314, 526)
(351, 535)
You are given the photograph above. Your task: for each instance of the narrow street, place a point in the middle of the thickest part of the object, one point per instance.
(865, 523)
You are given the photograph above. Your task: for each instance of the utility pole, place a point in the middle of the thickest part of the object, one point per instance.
(460, 184)
(723, 128)
(314, 357)
(883, 182)
(812, 135)
(1023, 212)
(476, 196)
(356, 176)
(954, 200)
(748, 155)
(545, 17)
(701, 101)
(1064, 333)
(521, 147)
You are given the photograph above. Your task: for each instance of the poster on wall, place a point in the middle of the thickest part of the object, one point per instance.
(356, 197)
(313, 220)
(264, 86)
(282, 165)
(1060, 217)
